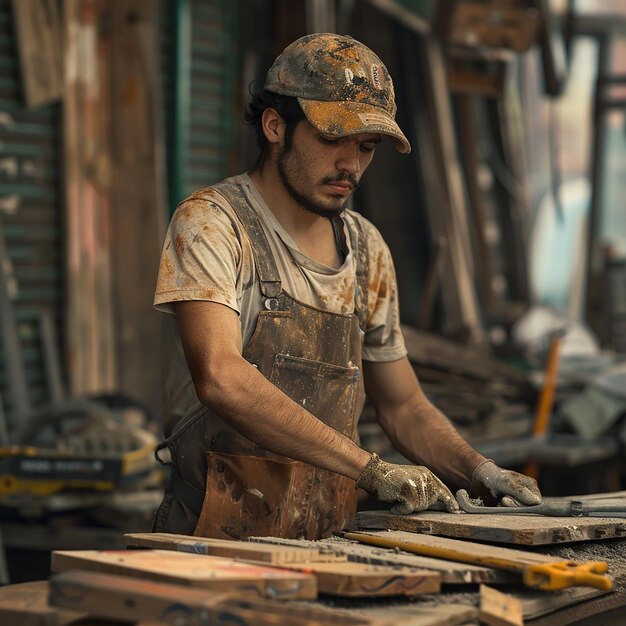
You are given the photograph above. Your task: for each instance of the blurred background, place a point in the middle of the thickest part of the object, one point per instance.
(507, 224)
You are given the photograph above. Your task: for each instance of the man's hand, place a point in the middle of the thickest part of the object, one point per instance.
(412, 487)
(506, 484)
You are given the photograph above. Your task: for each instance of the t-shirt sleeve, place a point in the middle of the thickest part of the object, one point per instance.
(200, 257)
(383, 337)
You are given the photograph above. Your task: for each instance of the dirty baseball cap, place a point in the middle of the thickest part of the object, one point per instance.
(341, 85)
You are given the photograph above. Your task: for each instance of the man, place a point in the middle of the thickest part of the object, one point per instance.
(285, 314)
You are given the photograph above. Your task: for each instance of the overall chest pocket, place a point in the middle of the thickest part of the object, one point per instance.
(327, 391)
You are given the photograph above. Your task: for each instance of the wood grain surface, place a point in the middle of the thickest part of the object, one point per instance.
(130, 599)
(194, 570)
(450, 572)
(26, 604)
(266, 553)
(528, 530)
(334, 577)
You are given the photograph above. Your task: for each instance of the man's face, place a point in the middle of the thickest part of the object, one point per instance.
(320, 172)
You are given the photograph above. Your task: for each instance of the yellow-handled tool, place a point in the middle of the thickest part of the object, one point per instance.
(562, 574)
(538, 571)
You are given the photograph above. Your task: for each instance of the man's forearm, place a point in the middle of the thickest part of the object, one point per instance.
(260, 411)
(426, 437)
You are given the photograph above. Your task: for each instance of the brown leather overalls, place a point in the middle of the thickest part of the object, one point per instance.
(236, 489)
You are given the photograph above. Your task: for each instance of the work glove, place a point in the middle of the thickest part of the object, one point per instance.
(514, 488)
(411, 487)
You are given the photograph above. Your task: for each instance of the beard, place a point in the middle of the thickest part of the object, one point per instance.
(287, 171)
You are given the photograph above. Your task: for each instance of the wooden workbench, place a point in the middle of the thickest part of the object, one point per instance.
(456, 604)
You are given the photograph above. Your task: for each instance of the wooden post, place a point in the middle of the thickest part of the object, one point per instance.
(87, 117)
(138, 211)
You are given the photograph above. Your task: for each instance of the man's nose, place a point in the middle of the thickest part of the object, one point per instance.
(349, 158)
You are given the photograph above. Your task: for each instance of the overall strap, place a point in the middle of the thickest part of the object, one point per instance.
(263, 257)
(362, 268)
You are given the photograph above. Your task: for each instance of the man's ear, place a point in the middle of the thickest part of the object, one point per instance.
(273, 126)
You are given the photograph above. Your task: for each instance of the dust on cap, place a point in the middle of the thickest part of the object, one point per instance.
(341, 85)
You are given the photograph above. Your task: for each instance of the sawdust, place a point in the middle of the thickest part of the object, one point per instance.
(608, 551)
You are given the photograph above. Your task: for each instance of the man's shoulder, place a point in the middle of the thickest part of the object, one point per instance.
(206, 204)
(214, 193)
(363, 225)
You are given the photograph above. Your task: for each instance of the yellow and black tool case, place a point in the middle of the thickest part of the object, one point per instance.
(37, 471)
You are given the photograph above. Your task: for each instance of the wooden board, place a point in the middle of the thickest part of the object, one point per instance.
(334, 578)
(26, 604)
(266, 553)
(38, 27)
(90, 318)
(434, 351)
(138, 212)
(130, 599)
(367, 580)
(484, 553)
(441, 614)
(194, 570)
(536, 604)
(514, 529)
(499, 609)
(450, 572)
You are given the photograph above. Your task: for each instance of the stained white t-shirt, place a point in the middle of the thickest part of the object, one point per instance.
(207, 255)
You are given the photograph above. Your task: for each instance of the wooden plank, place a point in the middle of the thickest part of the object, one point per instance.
(483, 552)
(335, 578)
(538, 571)
(537, 604)
(89, 330)
(531, 530)
(130, 599)
(26, 604)
(38, 27)
(510, 194)
(266, 553)
(451, 356)
(462, 311)
(408, 18)
(473, 24)
(553, 49)
(138, 212)
(451, 573)
(440, 614)
(499, 609)
(367, 580)
(468, 132)
(194, 570)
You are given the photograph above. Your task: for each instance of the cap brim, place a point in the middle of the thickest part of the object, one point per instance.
(339, 119)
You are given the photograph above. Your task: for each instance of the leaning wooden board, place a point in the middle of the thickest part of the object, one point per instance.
(337, 577)
(530, 530)
(194, 570)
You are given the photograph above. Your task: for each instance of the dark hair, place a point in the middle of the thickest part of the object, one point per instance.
(287, 107)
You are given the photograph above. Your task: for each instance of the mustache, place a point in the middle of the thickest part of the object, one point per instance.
(342, 178)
